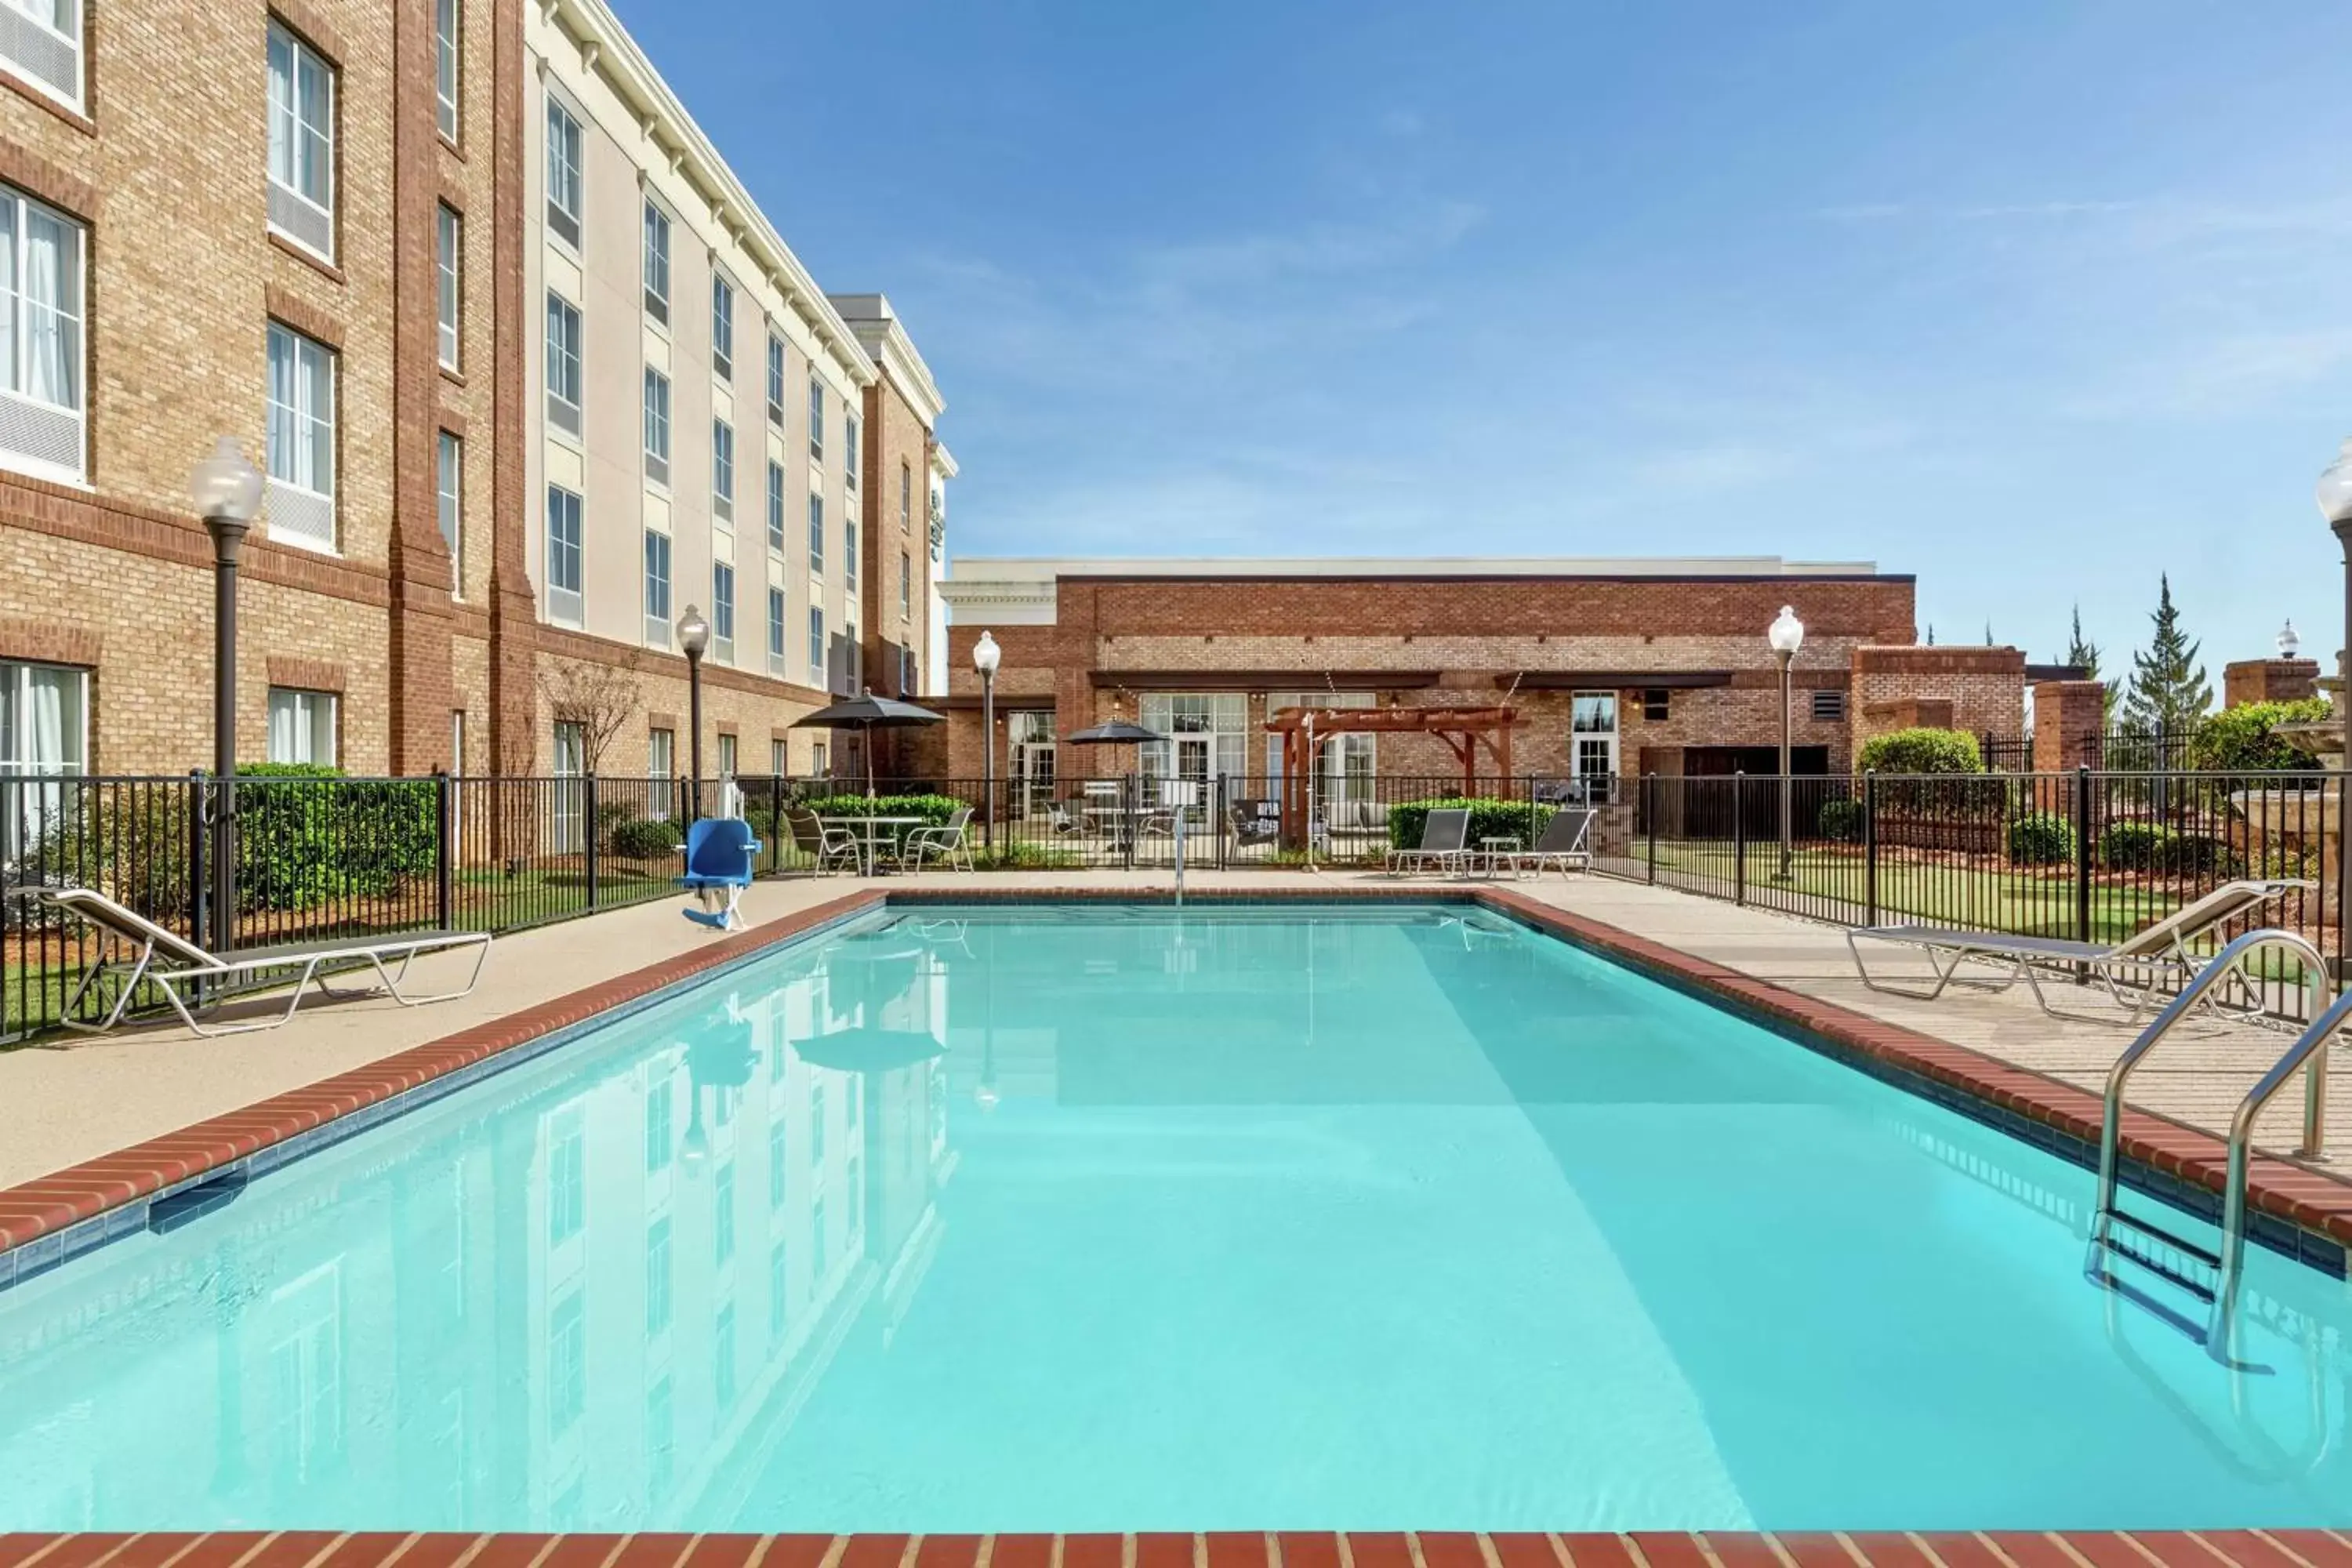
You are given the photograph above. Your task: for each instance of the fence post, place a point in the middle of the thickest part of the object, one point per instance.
(1870, 847)
(588, 833)
(2082, 854)
(1128, 821)
(199, 876)
(1739, 836)
(1223, 823)
(444, 848)
(1650, 811)
(775, 822)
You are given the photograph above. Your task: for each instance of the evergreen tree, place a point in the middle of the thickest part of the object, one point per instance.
(2168, 685)
(2081, 651)
(1988, 634)
(1931, 634)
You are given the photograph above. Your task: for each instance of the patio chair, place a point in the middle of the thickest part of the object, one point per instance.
(950, 842)
(721, 855)
(1561, 843)
(1061, 823)
(828, 847)
(134, 949)
(2138, 972)
(1444, 843)
(1250, 824)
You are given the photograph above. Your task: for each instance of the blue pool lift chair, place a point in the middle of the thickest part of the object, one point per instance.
(721, 856)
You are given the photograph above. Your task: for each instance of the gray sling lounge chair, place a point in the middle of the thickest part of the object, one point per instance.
(133, 949)
(1444, 843)
(2139, 972)
(1562, 844)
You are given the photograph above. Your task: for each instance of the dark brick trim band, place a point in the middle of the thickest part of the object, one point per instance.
(37, 176)
(302, 316)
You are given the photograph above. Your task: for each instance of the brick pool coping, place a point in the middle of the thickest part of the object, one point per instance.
(1287, 1549)
(2319, 1206)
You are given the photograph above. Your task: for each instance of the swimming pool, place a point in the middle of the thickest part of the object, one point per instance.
(1012, 1217)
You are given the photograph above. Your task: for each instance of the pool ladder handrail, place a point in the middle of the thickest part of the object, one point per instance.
(2328, 1012)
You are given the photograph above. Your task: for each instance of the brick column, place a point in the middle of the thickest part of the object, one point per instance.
(2069, 716)
(2269, 680)
(514, 614)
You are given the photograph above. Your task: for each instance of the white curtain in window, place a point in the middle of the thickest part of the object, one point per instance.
(284, 434)
(317, 114)
(281, 109)
(318, 388)
(285, 735)
(51, 298)
(10, 375)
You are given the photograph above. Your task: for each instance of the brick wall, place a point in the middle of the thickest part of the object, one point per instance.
(2269, 680)
(1980, 690)
(894, 435)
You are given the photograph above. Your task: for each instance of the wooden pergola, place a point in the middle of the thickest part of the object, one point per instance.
(1463, 731)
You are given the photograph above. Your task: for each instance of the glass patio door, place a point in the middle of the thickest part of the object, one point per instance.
(1592, 743)
(569, 800)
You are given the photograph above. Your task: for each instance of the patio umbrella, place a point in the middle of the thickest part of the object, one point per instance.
(1118, 732)
(866, 1049)
(867, 714)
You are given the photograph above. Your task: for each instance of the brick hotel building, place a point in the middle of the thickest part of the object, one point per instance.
(1613, 667)
(528, 370)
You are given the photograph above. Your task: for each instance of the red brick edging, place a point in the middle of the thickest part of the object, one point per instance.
(1286, 1549)
(2318, 1203)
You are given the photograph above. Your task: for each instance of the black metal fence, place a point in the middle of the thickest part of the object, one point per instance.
(2091, 856)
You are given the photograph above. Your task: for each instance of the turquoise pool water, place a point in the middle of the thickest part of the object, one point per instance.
(1034, 1219)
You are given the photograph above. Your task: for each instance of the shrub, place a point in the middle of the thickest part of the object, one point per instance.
(1841, 820)
(127, 841)
(1923, 750)
(642, 837)
(1489, 819)
(2152, 846)
(2239, 740)
(305, 834)
(2042, 839)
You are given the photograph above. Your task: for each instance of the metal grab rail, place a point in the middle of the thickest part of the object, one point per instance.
(2326, 1008)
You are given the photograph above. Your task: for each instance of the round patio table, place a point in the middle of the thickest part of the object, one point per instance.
(866, 840)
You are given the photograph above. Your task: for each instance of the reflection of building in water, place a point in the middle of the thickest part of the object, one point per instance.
(564, 1296)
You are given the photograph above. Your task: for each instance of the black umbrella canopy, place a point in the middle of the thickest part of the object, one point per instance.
(867, 712)
(1118, 732)
(865, 1048)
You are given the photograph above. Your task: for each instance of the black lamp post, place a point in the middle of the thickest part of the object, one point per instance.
(694, 637)
(985, 656)
(1787, 635)
(2334, 496)
(227, 492)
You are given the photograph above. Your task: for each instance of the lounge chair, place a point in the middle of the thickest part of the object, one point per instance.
(1061, 823)
(828, 847)
(2138, 972)
(1562, 844)
(721, 855)
(1444, 843)
(134, 949)
(950, 842)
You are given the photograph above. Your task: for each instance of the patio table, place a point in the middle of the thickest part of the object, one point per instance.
(872, 825)
(1494, 849)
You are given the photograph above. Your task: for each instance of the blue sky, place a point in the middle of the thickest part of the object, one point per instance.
(2034, 300)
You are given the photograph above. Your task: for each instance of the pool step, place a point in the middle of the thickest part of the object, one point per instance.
(2160, 1252)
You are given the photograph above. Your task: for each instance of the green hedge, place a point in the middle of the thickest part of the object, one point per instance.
(2152, 846)
(643, 838)
(306, 835)
(1923, 750)
(933, 809)
(2239, 740)
(2042, 839)
(1841, 820)
(1489, 819)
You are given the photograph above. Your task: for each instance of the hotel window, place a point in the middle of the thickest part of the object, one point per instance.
(563, 364)
(43, 734)
(1209, 734)
(816, 648)
(41, 321)
(301, 144)
(849, 449)
(451, 232)
(1829, 706)
(816, 536)
(656, 264)
(777, 765)
(1657, 703)
(775, 631)
(726, 770)
(820, 761)
(563, 182)
(657, 426)
(657, 624)
(722, 328)
(852, 656)
(849, 550)
(1592, 741)
(816, 420)
(452, 495)
(906, 498)
(661, 749)
(301, 461)
(905, 587)
(301, 726)
(722, 470)
(562, 555)
(40, 40)
(775, 506)
(775, 381)
(445, 65)
(722, 612)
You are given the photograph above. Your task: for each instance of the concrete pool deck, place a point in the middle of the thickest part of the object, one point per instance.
(85, 1101)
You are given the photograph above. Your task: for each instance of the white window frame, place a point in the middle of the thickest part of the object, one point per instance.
(775, 509)
(1590, 744)
(68, 39)
(816, 534)
(315, 369)
(776, 613)
(653, 264)
(67, 315)
(722, 470)
(776, 381)
(450, 494)
(816, 420)
(566, 370)
(661, 767)
(37, 809)
(722, 327)
(849, 450)
(288, 131)
(656, 420)
(446, 74)
(566, 151)
(449, 237)
(816, 645)
(906, 498)
(564, 601)
(312, 714)
(658, 597)
(906, 586)
(723, 611)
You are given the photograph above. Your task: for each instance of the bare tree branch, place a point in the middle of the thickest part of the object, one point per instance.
(600, 697)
